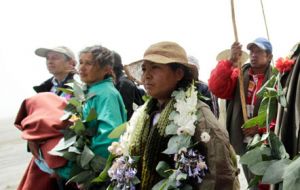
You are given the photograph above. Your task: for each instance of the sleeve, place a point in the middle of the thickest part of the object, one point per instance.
(111, 114)
(219, 154)
(223, 80)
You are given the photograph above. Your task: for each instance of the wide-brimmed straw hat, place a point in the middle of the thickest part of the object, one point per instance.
(163, 53)
(225, 54)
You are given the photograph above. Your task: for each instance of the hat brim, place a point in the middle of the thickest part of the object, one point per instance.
(134, 70)
(225, 55)
(42, 52)
(250, 45)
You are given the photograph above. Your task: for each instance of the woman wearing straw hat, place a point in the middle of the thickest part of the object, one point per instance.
(179, 142)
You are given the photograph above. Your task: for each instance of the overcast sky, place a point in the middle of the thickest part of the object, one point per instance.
(202, 27)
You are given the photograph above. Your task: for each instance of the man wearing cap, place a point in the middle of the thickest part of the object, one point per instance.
(223, 83)
(61, 64)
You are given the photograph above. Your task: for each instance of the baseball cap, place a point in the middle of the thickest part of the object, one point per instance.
(262, 43)
(60, 49)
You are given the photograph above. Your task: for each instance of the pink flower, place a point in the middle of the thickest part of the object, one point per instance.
(284, 64)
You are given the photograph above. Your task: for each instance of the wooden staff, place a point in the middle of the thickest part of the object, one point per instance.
(239, 63)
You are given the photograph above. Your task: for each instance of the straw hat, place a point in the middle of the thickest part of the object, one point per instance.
(163, 53)
(224, 55)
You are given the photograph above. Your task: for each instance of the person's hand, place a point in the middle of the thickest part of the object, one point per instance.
(235, 53)
(250, 131)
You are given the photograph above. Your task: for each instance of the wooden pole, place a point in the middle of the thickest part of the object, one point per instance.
(241, 77)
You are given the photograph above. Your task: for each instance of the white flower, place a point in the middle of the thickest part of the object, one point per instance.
(202, 165)
(123, 148)
(205, 137)
(191, 102)
(186, 111)
(119, 151)
(182, 150)
(187, 130)
(115, 148)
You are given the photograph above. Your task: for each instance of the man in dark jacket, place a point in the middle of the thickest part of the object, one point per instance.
(61, 64)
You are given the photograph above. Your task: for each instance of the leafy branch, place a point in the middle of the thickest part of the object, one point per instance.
(267, 157)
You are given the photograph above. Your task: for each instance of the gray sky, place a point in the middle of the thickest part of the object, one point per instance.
(202, 27)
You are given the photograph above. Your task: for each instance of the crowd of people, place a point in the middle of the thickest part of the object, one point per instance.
(170, 115)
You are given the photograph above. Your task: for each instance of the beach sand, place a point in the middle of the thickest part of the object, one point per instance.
(13, 155)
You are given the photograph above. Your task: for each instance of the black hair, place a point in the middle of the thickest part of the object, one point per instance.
(187, 77)
(117, 65)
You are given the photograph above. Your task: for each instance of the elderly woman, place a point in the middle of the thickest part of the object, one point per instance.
(179, 142)
(95, 70)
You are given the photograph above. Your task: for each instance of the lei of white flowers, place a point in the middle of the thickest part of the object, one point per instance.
(183, 121)
(185, 115)
(122, 147)
(189, 163)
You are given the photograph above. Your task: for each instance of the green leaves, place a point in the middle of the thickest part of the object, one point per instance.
(258, 120)
(163, 169)
(278, 150)
(103, 176)
(118, 131)
(177, 142)
(269, 84)
(78, 127)
(254, 156)
(281, 93)
(82, 177)
(66, 90)
(87, 156)
(171, 129)
(92, 115)
(75, 146)
(274, 173)
(269, 159)
(260, 167)
(291, 176)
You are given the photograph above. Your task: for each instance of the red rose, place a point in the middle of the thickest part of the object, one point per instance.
(284, 64)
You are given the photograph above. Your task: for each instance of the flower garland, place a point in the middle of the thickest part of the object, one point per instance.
(189, 163)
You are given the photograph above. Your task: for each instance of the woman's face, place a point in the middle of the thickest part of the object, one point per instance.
(160, 80)
(89, 71)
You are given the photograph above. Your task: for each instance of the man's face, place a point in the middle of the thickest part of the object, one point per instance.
(259, 58)
(58, 64)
